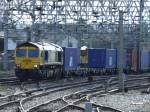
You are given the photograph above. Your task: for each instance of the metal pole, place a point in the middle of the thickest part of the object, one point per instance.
(5, 67)
(33, 21)
(141, 34)
(120, 51)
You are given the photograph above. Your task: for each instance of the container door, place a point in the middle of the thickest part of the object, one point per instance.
(144, 60)
(71, 58)
(134, 60)
(111, 58)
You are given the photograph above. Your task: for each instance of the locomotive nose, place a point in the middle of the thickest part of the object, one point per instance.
(27, 61)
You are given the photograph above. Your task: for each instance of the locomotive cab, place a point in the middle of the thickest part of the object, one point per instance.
(27, 57)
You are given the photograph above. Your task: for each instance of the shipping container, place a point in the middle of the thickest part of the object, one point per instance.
(96, 58)
(149, 60)
(111, 58)
(134, 60)
(144, 57)
(70, 59)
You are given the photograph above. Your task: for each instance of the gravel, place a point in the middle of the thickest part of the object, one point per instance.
(71, 108)
(51, 106)
(10, 109)
(13, 107)
(133, 101)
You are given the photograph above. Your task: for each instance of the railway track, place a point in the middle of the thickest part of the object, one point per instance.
(16, 97)
(9, 79)
(69, 103)
(55, 90)
(52, 85)
(30, 102)
(13, 80)
(59, 102)
(76, 99)
(60, 105)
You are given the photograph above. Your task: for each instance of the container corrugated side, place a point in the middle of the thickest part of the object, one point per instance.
(134, 60)
(144, 63)
(96, 58)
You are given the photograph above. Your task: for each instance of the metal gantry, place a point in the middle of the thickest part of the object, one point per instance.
(101, 16)
(90, 21)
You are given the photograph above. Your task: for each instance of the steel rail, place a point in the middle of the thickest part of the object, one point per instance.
(53, 92)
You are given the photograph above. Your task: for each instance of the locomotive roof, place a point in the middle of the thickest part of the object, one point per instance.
(43, 45)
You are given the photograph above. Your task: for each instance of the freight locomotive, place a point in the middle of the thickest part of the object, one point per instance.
(38, 60)
(47, 60)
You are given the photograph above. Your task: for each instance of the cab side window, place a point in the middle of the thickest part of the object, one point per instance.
(46, 55)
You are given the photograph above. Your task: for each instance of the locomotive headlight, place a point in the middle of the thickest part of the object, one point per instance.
(35, 66)
(17, 66)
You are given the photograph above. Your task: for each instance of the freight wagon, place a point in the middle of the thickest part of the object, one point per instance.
(99, 61)
(104, 61)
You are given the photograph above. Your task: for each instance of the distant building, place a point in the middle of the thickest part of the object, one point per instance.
(11, 44)
(69, 42)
